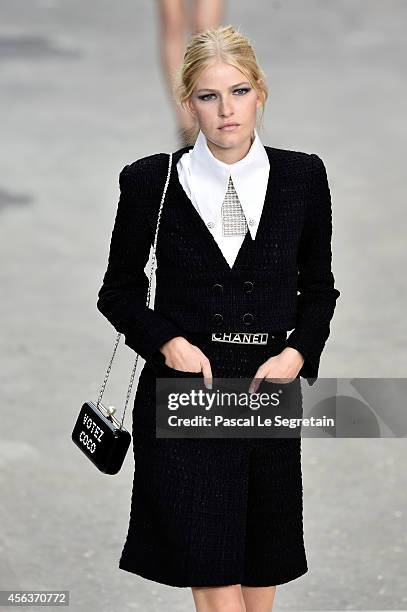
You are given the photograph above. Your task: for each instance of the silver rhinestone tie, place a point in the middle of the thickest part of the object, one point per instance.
(233, 219)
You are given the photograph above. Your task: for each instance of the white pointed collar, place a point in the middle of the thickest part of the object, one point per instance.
(210, 177)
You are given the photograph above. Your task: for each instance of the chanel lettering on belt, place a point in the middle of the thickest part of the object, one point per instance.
(241, 337)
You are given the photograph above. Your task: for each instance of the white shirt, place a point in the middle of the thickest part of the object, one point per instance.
(205, 179)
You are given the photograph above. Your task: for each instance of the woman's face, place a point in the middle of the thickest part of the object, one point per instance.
(221, 96)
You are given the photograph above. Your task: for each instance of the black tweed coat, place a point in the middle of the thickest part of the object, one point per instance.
(207, 512)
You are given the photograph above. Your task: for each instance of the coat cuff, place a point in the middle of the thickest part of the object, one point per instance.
(310, 367)
(147, 343)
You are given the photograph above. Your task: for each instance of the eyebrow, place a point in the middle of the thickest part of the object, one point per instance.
(231, 87)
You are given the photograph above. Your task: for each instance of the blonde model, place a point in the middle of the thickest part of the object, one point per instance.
(243, 252)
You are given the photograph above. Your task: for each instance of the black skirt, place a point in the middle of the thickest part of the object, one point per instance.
(214, 511)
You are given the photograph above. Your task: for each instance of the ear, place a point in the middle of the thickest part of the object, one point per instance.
(189, 106)
(259, 103)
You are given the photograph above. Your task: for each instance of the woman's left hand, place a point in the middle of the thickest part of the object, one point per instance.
(285, 365)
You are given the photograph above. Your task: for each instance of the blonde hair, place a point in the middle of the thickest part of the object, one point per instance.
(225, 44)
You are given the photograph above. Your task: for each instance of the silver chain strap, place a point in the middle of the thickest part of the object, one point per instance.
(147, 304)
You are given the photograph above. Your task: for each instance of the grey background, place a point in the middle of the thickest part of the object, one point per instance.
(82, 95)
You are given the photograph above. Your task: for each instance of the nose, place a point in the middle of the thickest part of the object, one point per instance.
(225, 108)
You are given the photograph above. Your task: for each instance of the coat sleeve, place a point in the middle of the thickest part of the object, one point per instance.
(317, 299)
(123, 294)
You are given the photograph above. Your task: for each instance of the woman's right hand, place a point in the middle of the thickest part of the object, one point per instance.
(181, 355)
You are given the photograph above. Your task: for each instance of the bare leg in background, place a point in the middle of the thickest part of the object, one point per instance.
(176, 19)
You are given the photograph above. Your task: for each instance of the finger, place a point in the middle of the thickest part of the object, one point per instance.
(207, 374)
(254, 385)
(281, 381)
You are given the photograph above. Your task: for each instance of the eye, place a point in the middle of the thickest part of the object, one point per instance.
(206, 96)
